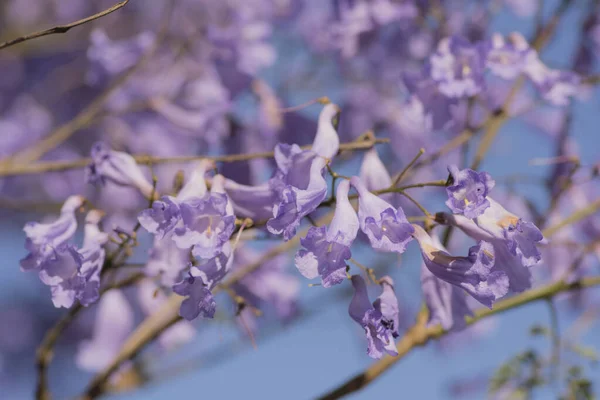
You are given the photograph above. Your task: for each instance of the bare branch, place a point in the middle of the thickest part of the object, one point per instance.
(63, 28)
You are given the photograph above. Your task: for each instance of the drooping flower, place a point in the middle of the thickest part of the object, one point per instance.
(326, 249)
(520, 236)
(555, 86)
(43, 238)
(327, 141)
(117, 167)
(468, 192)
(447, 303)
(114, 322)
(165, 214)
(473, 273)
(387, 304)
(254, 202)
(198, 284)
(458, 67)
(379, 330)
(386, 227)
(299, 193)
(519, 276)
(208, 222)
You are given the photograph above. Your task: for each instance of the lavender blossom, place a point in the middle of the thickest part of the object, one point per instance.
(208, 222)
(117, 167)
(519, 275)
(326, 249)
(299, 193)
(166, 261)
(43, 238)
(468, 191)
(164, 215)
(254, 202)
(472, 273)
(447, 303)
(386, 227)
(508, 59)
(387, 305)
(379, 330)
(458, 67)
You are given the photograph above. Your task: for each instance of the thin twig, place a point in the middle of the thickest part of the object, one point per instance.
(63, 28)
(57, 166)
(408, 167)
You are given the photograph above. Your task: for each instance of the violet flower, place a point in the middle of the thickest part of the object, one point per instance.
(458, 67)
(519, 236)
(386, 227)
(447, 303)
(326, 249)
(373, 173)
(43, 238)
(299, 193)
(472, 273)
(379, 330)
(519, 276)
(468, 191)
(164, 215)
(117, 167)
(208, 222)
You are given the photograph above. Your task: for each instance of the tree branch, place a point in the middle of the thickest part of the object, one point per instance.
(63, 28)
(419, 335)
(57, 166)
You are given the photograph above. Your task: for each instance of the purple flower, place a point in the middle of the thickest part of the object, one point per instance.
(555, 86)
(379, 330)
(199, 283)
(43, 238)
(299, 193)
(458, 67)
(254, 202)
(508, 59)
(468, 191)
(208, 222)
(447, 303)
(387, 304)
(386, 227)
(117, 167)
(519, 276)
(327, 141)
(519, 236)
(199, 299)
(472, 273)
(114, 322)
(109, 58)
(75, 274)
(164, 215)
(326, 249)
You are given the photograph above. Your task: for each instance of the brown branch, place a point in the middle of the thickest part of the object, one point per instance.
(57, 166)
(63, 28)
(45, 351)
(419, 335)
